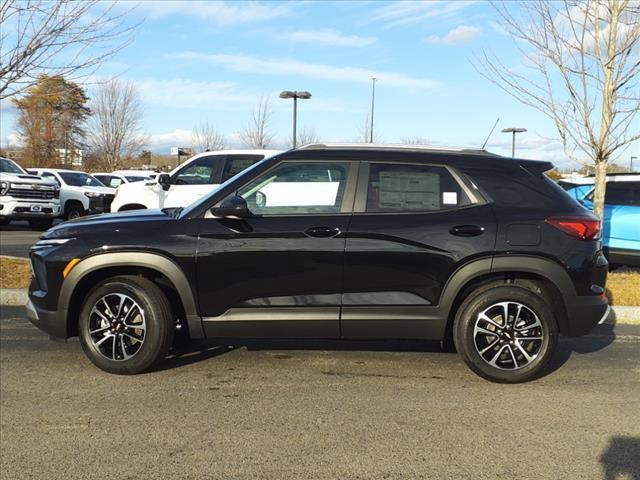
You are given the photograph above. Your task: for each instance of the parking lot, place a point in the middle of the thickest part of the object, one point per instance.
(317, 410)
(17, 238)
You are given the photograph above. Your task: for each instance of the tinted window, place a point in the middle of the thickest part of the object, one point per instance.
(406, 188)
(50, 176)
(197, 172)
(131, 178)
(8, 166)
(623, 193)
(110, 181)
(298, 188)
(237, 163)
(79, 179)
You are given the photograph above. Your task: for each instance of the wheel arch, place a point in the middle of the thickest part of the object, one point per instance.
(527, 271)
(95, 268)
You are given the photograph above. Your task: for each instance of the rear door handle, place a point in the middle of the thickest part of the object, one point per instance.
(322, 232)
(467, 230)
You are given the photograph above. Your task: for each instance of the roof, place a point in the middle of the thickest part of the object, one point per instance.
(396, 147)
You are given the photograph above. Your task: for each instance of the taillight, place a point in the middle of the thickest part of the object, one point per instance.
(582, 228)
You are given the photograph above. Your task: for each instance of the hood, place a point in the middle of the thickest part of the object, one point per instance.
(108, 221)
(24, 178)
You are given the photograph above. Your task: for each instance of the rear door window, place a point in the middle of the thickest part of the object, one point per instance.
(235, 164)
(413, 188)
(623, 193)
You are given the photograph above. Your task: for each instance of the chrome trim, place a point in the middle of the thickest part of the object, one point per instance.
(605, 316)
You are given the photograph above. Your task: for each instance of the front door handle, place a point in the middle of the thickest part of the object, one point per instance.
(322, 232)
(467, 230)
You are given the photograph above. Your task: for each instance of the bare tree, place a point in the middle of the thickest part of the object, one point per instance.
(583, 63)
(205, 138)
(364, 133)
(114, 128)
(65, 38)
(307, 136)
(257, 133)
(416, 140)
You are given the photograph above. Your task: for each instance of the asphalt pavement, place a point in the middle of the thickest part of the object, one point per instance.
(16, 239)
(316, 410)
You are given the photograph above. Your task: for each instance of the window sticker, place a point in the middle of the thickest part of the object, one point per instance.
(449, 198)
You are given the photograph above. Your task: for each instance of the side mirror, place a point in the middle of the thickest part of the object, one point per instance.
(164, 179)
(234, 206)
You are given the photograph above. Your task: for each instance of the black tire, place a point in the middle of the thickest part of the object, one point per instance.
(157, 318)
(73, 211)
(503, 359)
(41, 224)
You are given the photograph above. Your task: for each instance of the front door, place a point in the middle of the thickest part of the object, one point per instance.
(279, 273)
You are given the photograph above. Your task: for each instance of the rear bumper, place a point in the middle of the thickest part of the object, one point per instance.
(584, 313)
(623, 256)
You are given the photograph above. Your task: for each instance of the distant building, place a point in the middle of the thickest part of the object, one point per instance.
(71, 157)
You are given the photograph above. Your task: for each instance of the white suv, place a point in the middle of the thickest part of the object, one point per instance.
(188, 182)
(80, 193)
(115, 179)
(26, 197)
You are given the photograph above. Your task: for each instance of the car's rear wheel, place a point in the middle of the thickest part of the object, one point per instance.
(126, 325)
(506, 333)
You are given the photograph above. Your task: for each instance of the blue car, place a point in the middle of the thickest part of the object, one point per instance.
(621, 226)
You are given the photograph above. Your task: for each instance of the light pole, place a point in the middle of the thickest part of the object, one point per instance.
(513, 140)
(295, 95)
(631, 162)
(373, 100)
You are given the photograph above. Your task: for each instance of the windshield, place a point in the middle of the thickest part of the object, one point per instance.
(204, 199)
(9, 166)
(80, 179)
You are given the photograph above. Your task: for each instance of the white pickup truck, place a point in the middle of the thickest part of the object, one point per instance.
(26, 197)
(188, 182)
(80, 193)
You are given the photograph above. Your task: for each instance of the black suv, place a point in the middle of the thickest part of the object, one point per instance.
(336, 241)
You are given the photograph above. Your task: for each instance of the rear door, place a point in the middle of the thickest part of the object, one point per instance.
(413, 226)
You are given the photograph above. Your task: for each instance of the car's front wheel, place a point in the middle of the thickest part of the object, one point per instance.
(126, 325)
(506, 333)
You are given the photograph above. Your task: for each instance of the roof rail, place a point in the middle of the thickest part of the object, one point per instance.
(392, 146)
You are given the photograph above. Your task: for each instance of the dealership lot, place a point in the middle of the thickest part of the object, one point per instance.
(16, 239)
(316, 410)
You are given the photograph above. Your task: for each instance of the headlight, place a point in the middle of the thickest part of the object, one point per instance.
(52, 242)
(92, 194)
(4, 187)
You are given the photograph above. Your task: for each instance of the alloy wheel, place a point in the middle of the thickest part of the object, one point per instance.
(508, 335)
(117, 326)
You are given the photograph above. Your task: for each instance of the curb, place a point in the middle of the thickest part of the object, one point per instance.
(13, 297)
(18, 297)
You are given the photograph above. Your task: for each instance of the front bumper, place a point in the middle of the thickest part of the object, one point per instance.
(28, 209)
(100, 204)
(47, 321)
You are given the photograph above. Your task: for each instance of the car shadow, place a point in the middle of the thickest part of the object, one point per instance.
(600, 338)
(187, 353)
(196, 351)
(622, 458)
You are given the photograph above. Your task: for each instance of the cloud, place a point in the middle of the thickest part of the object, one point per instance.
(288, 67)
(329, 37)
(399, 14)
(13, 140)
(219, 13)
(191, 94)
(176, 138)
(456, 36)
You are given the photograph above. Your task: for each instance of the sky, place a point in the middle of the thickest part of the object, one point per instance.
(210, 61)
